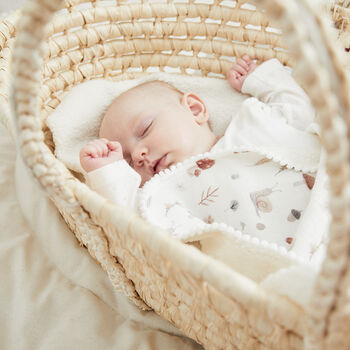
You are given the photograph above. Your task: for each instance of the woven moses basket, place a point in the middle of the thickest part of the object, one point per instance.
(214, 305)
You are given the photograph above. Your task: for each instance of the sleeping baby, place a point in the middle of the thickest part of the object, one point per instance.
(157, 154)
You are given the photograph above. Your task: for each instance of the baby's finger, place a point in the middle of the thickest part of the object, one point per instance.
(239, 69)
(234, 79)
(231, 74)
(104, 149)
(100, 148)
(88, 151)
(243, 64)
(251, 67)
(114, 146)
(247, 59)
(102, 142)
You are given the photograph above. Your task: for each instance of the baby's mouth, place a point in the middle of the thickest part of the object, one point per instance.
(160, 164)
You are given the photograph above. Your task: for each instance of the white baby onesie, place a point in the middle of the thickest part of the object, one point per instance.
(275, 127)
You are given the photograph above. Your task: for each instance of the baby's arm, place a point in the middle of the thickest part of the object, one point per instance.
(108, 173)
(272, 84)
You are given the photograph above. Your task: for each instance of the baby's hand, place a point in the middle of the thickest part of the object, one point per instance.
(239, 72)
(99, 153)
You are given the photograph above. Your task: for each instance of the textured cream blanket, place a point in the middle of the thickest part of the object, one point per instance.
(53, 295)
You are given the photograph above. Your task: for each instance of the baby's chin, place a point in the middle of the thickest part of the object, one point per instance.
(145, 179)
(143, 182)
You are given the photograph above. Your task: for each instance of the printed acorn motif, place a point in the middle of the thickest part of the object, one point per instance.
(294, 215)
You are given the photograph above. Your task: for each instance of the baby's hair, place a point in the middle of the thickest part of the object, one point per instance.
(167, 85)
(171, 90)
(164, 83)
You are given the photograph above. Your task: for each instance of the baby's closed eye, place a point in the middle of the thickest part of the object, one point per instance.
(144, 127)
(147, 127)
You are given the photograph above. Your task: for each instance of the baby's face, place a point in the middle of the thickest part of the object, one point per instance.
(157, 127)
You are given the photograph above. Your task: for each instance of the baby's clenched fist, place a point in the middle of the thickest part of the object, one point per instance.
(239, 72)
(99, 153)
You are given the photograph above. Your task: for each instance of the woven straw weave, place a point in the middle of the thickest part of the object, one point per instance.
(209, 302)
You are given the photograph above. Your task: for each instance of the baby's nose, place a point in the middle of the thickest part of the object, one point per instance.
(140, 156)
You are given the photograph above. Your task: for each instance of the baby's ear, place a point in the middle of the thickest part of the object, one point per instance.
(197, 107)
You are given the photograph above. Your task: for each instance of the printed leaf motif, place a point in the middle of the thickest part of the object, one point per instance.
(205, 163)
(234, 205)
(283, 167)
(262, 161)
(208, 197)
(310, 181)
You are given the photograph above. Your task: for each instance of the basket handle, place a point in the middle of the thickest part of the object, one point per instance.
(44, 166)
(320, 66)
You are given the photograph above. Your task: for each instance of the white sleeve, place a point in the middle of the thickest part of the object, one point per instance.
(117, 181)
(272, 84)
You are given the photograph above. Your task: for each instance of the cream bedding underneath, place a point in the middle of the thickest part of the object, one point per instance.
(53, 295)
